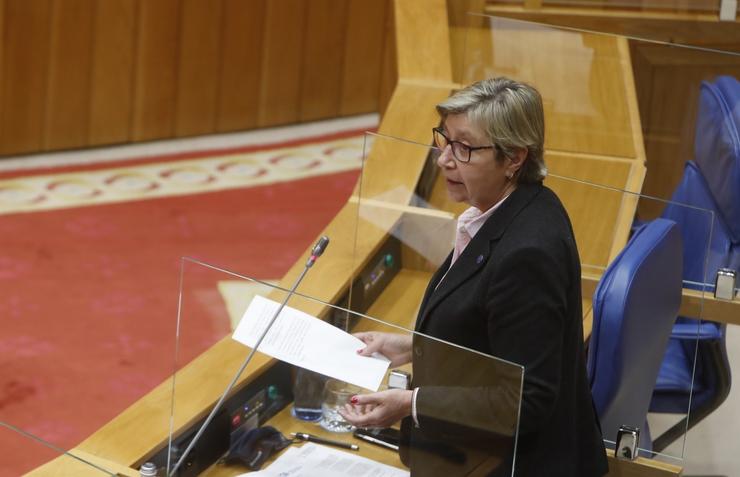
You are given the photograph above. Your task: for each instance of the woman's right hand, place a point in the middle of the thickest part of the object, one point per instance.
(394, 346)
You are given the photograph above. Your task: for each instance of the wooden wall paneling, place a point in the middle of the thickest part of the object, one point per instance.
(241, 60)
(111, 89)
(643, 73)
(430, 61)
(70, 61)
(155, 83)
(581, 77)
(683, 29)
(323, 56)
(669, 134)
(25, 63)
(472, 53)
(199, 67)
(280, 85)
(389, 69)
(632, 108)
(363, 56)
(460, 21)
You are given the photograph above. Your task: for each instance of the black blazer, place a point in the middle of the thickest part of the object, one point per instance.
(514, 293)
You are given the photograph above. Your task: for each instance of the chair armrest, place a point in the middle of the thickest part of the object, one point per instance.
(705, 331)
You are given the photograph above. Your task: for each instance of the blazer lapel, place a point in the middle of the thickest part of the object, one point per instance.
(434, 282)
(476, 254)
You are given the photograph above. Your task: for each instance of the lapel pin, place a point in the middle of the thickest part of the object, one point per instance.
(479, 260)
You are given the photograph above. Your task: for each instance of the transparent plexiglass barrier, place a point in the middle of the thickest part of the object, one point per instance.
(307, 368)
(660, 5)
(27, 454)
(404, 236)
(620, 97)
(620, 102)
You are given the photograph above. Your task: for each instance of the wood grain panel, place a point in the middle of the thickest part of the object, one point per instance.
(581, 76)
(459, 21)
(423, 52)
(323, 55)
(280, 85)
(111, 88)
(26, 55)
(91, 72)
(389, 68)
(81, 465)
(68, 106)
(684, 29)
(199, 67)
(642, 73)
(362, 56)
(594, 211)
(156, 69)
(238, 101)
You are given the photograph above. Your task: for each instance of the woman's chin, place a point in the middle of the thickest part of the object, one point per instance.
(456, 196)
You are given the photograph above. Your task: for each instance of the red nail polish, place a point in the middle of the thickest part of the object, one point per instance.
(354, 400)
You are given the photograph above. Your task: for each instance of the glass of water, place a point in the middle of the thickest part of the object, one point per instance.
(336, 394)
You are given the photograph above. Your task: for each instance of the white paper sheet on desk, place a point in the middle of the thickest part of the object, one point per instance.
(306, 341)
(311, 460)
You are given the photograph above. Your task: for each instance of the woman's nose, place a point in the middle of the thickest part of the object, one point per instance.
(445, 158)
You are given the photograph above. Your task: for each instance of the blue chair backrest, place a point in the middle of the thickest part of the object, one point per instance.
(695, 229)
(634, 307)
(717, 160)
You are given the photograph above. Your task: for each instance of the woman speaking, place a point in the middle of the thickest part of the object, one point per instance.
(511, 288)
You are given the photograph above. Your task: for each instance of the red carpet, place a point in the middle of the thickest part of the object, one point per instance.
(88, 296)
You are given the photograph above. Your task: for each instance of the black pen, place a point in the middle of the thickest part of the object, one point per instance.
(320, 440)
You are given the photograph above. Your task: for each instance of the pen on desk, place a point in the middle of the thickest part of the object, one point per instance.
(379, 442)
(320, 440)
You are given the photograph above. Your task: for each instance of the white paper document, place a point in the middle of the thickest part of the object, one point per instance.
(314, 460)
(306, 341)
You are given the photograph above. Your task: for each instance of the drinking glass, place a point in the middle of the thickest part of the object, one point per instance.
(308, 395)
(336, 394)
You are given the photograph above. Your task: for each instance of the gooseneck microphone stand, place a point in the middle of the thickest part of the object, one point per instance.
(316, 252)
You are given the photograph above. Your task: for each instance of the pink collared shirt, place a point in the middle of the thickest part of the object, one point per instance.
(468, 225)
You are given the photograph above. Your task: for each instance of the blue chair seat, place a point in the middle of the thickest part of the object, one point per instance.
(674, 377)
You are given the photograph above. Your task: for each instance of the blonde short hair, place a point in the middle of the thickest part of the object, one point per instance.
(511, 115)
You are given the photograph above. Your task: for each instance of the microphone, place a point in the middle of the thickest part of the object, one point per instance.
(316, 252)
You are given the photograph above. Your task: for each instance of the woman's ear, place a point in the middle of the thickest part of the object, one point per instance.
(515, 162)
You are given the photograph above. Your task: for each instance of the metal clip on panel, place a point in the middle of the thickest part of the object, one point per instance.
(724, 288)
(628, 439)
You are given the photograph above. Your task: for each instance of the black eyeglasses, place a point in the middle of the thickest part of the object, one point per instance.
(460, 151)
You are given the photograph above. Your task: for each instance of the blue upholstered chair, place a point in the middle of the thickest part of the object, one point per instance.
(634, 308)
(710, 182)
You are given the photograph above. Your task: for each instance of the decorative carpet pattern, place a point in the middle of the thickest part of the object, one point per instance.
(90, 265)
(212, 171)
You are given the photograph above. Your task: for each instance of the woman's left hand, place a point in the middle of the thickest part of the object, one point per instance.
(381, 409)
